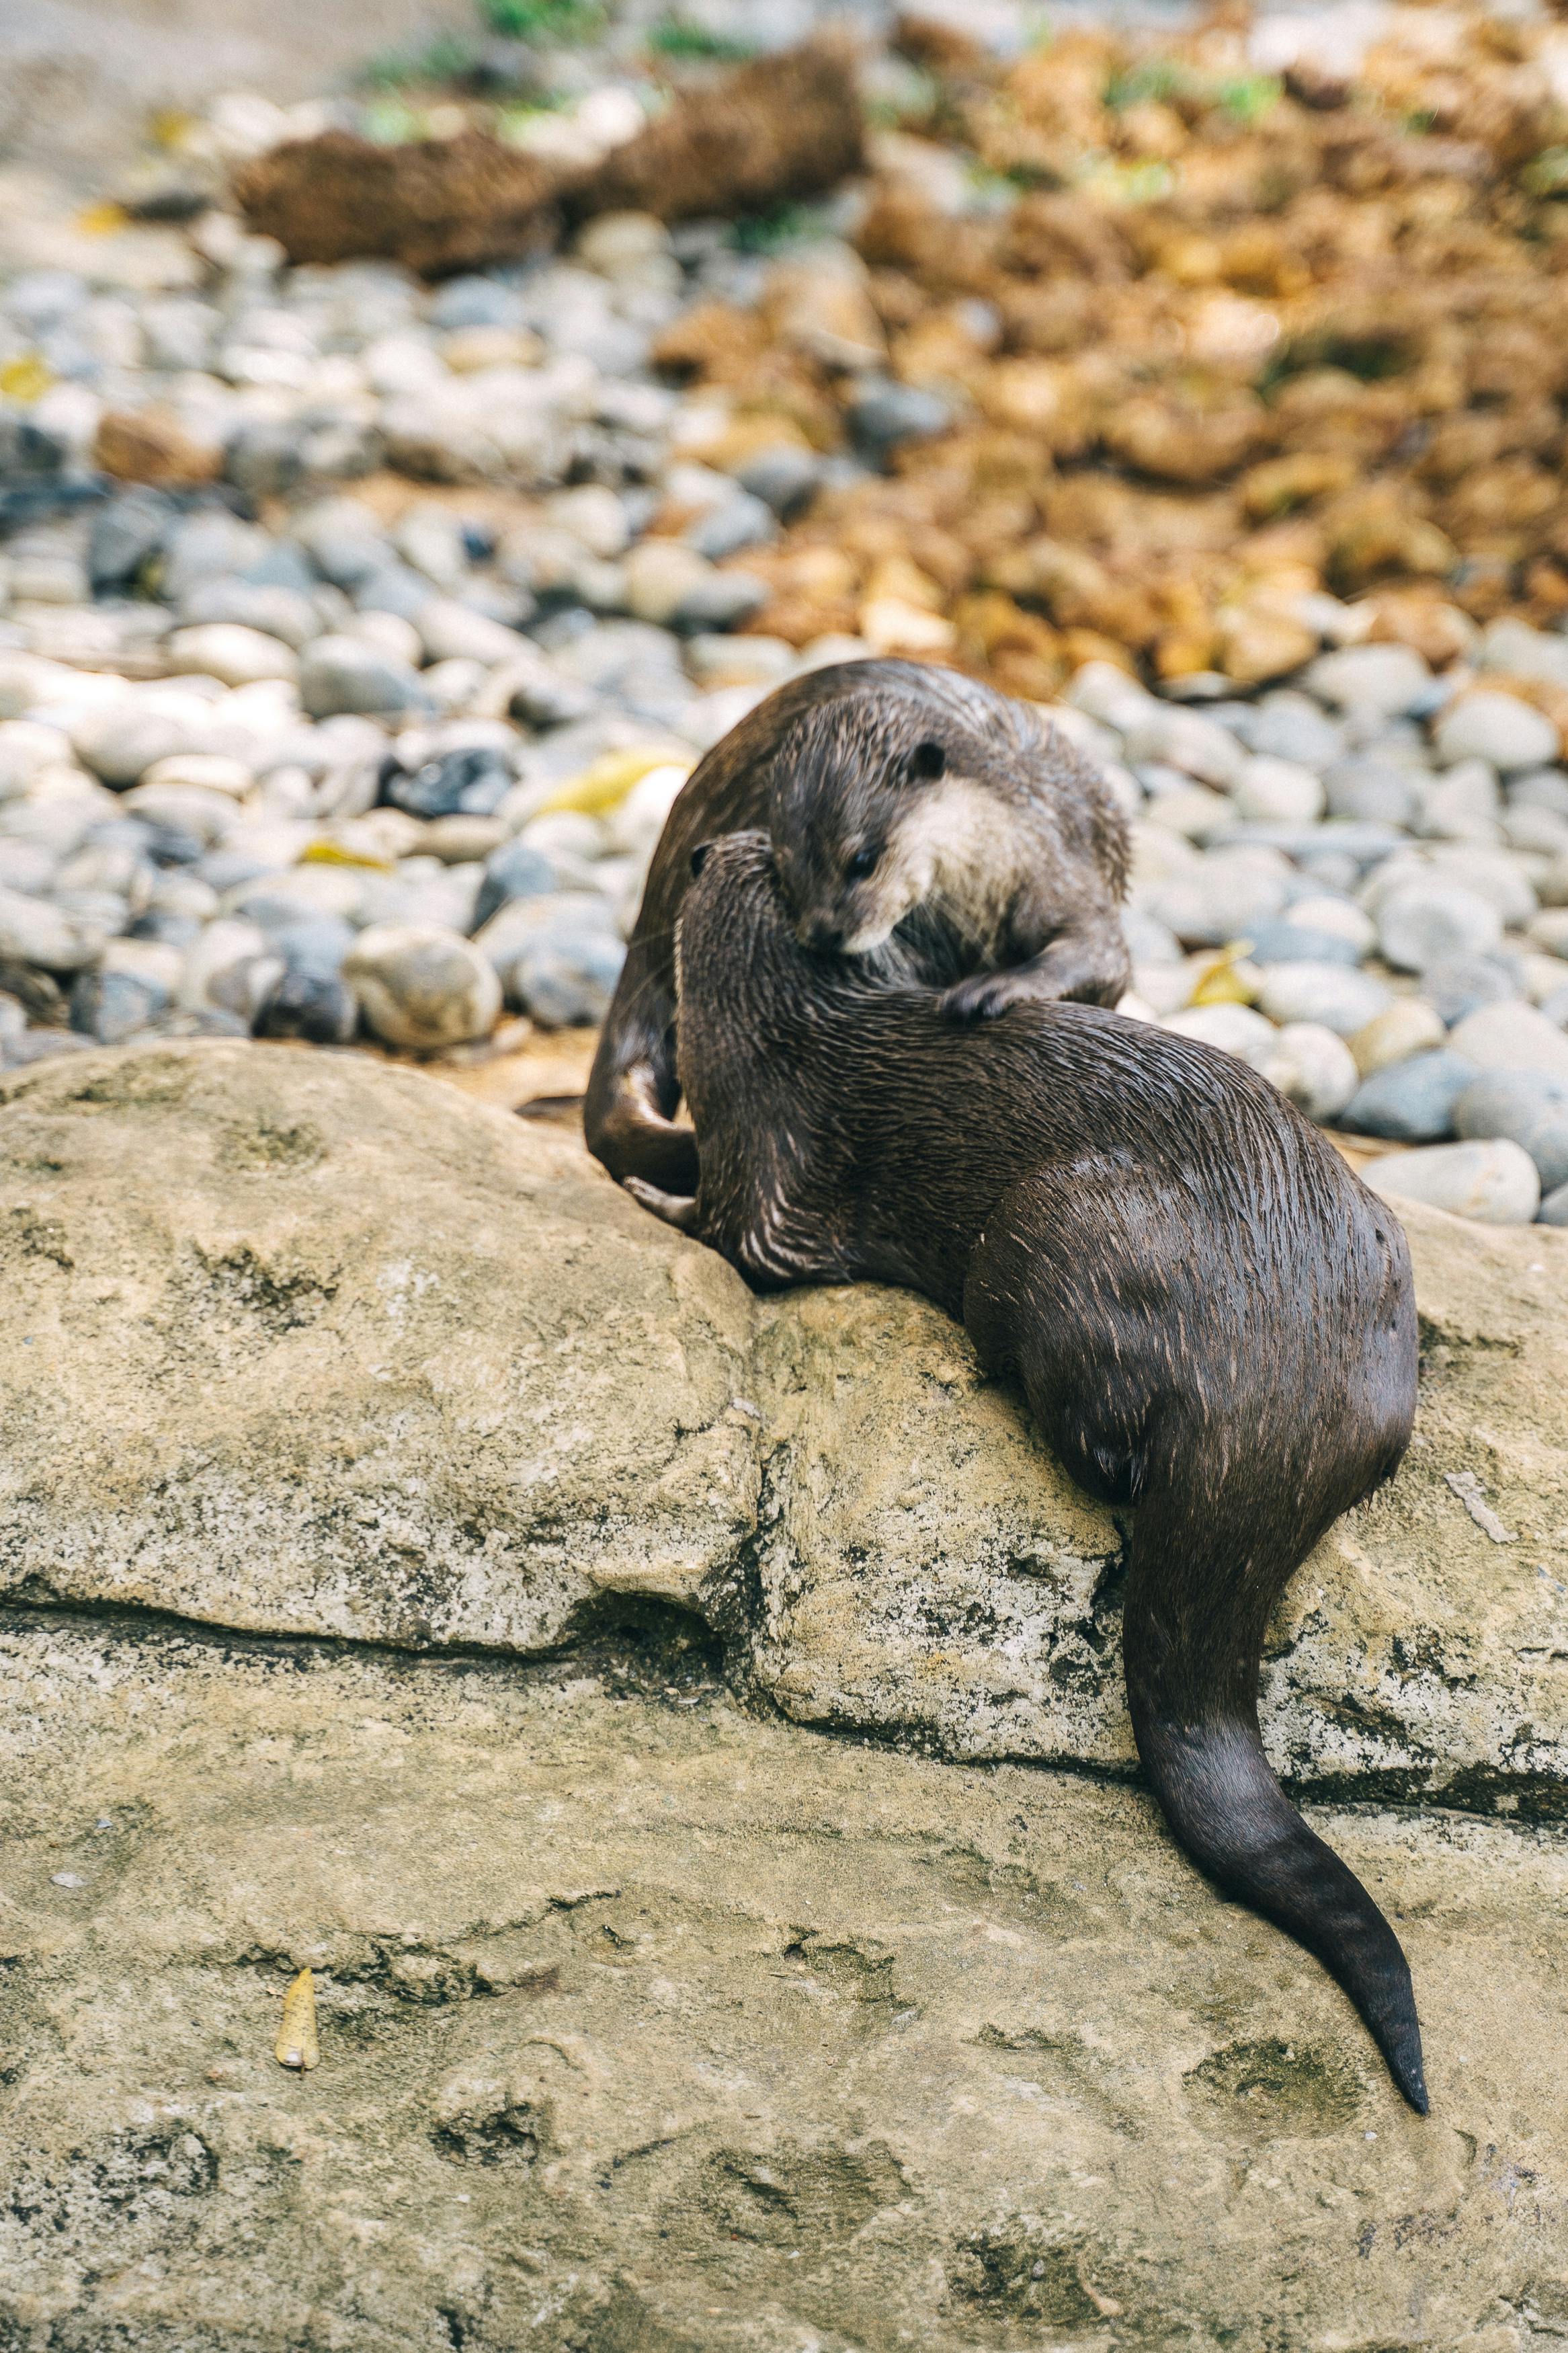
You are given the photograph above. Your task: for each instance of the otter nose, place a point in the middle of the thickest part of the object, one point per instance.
(821, 932)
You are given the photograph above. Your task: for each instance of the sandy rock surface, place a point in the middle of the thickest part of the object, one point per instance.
(304, 1344)
(645, 2022)
(648, 2017)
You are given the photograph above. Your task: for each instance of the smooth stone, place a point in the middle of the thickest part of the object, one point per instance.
(280, 613)
(1554, 1208)
(136, 981)
(1422, 922)
(229, 652)
(1219, 898)
(1458, 986)
(1231, 1028)
(34, 932)
(786, 476)
(1406, 1026)
(735, 523)
(1411, 1101)
(1326, 911)
(310, 999)
(1543, 789)
(1371, 791)
(1343, 999)
(720, 601)
(1489, 725)
(450, 631)
(1495, 1183)
(119, 740)
(423, 988)
(1281, 940)
(472, 782)
(209, 772)
(1529, 1109)
(340, 674)
(1493, 874)
(660, 574)
(216, 966)
(1463, 805)
(1387, 680)
(1279, 791)
(389, 634)
(1289, 726)
(882, 414)
(1313, 1067)
(463, 841)
(125, 535)
(1549, 930)
(1188, 740)
(566, 983)
(1513, 1037)
(516, 870)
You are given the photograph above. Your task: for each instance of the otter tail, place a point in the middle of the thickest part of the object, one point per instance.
(1198, 1603)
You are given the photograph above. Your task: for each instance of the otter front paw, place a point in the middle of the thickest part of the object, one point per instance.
(985, 994)
(678, 1209)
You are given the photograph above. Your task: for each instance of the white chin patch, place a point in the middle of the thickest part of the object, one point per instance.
(861, 943)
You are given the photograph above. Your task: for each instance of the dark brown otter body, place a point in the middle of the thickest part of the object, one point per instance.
(1211, 1316)
(917, 816)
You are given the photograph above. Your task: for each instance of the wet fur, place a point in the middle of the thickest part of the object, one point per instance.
(1211, 1316)
(999, 879)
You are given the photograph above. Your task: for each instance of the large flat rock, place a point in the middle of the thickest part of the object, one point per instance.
(650, 2025)
(301, 1344)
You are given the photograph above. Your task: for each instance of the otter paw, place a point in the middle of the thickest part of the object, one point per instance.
(983, 996)
(678, 1209)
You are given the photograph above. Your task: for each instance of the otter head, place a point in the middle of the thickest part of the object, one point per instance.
(853, 857)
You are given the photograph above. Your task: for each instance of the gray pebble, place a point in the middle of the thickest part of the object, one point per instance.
(883, 415)
(1528, 1107)
(787, 479)
(1456, 986)
(1554, 1209)
(1411, 1101)
(1372, 790)
(1423, 922)
(344, 674)
(516, 870)
(1279, 941)
(1343, 1000)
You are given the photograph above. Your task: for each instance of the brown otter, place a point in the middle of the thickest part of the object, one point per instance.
(916, 815)
(1212, 1318)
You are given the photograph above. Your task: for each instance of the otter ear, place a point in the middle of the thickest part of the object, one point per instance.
(699, 857)
(927, 761)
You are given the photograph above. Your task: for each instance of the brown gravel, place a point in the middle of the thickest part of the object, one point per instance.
(1235, 343)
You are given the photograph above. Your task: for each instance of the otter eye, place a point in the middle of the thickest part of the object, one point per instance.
(864, 862)
(928, 761)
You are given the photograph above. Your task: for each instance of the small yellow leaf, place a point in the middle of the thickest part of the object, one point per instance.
(296, 2045)
(332, 853)
(1226, 978)
(26, 379)
(171, 126)
(607, 782)
(102, 221)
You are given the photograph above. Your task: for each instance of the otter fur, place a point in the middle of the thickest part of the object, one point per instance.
(917, 817)
(1212, 1318)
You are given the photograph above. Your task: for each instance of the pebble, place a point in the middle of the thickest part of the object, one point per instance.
(1233, 1029)
(1554, 1208)
(1386, 680)
(1270, 788)
(1313, 1067)
(1339, 1000)
(1495, 1183)
(341, 674)
(121, 740)
(1512, 735)
(1456, 986)
(1529, 1109)
(1411, 1101)
(1409, 1026)
(33, 931)
(230, 652)
(421, 986)
(1512, 1037)
(1425, 921)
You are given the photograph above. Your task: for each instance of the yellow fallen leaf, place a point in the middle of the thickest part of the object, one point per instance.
(102, 221)
(171, 126)
(332, 853)
(1227, 979)
(296, 2045)
(26, 379)
(607, 782)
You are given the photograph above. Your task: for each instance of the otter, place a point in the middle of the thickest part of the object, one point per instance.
(917, 817)
(1210, 1317)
